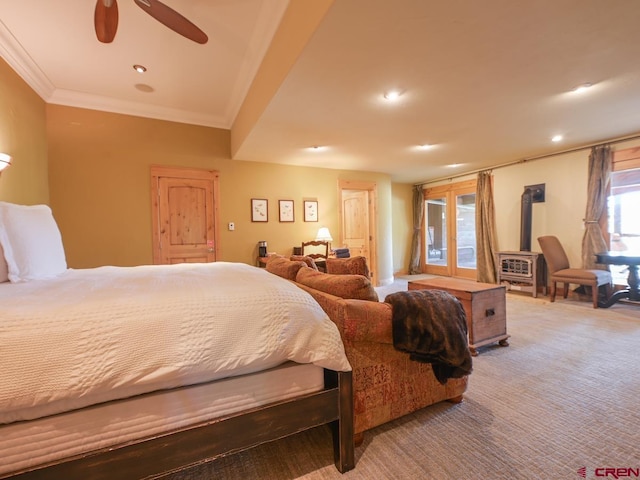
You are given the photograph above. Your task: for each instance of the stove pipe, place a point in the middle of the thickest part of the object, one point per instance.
(525, 220)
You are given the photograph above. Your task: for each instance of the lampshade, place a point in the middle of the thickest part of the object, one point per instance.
(324, 235)
(5, 161)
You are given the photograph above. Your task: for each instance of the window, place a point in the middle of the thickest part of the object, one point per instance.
(623, 221)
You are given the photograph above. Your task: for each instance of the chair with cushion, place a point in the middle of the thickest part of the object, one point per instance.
(560, 271)
(318, 250)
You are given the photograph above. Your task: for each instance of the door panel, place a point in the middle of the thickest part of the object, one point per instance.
(358, 221)
(355, 224)
(465, 233)
(436, 233)
(185, 214)
(449, 235)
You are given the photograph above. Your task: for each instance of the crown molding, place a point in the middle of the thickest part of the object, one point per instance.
(107, 104)
(23, 65)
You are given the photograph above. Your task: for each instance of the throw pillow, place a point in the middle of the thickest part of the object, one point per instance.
(283, 267)
(306, 259)
(353, 265)
(346, 286)
(31, 241)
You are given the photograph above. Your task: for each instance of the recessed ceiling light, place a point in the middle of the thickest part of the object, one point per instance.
(454, 165)
(582, 88)
(317, 148)
(140, 68)
(393, 95)
(422, 147)
(556, 138)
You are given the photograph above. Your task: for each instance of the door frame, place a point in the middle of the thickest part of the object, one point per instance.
(450, 192)
(372, 189)
(161, 171)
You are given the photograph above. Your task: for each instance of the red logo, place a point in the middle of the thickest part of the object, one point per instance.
(618, 472)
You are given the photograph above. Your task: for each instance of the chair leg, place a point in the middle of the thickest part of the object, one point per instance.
(566, 290)
(595, 290)
(554, 287)
(608, 290)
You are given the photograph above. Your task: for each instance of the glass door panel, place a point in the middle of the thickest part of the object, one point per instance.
(465, 233)
(624, 221)
(436, 231)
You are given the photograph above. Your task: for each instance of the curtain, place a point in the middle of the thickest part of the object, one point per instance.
(599, 177)
(486, 236)
(418, 215)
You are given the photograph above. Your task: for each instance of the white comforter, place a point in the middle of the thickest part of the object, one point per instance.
(100, 334)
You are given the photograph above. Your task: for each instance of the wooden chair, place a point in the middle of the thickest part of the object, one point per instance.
(560, 271)
(318, 250)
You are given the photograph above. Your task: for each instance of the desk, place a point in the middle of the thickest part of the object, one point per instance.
(632, 260)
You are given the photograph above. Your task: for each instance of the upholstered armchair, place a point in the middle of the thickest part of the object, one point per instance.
(561, 272)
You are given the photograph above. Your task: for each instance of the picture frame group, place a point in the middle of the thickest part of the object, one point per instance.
(286, 210)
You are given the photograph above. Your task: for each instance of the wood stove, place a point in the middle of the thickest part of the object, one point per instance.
(524, 270)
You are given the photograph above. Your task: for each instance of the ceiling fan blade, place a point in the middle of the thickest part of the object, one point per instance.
(106, 20)
(172, 19)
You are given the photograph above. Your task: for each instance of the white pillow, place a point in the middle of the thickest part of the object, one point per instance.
(32, 242)
(4, 269)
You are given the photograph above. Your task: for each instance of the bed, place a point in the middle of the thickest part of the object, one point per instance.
(148, 370)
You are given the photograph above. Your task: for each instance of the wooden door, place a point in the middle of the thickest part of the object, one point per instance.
(449, 240)
(184, 203)
(355, 221)
(357, 216)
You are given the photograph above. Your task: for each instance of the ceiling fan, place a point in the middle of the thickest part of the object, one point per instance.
(106, 20)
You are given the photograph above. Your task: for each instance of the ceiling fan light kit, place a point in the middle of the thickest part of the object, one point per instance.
(106, 20)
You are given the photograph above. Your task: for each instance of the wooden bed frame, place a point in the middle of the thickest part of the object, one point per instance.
(177, 450)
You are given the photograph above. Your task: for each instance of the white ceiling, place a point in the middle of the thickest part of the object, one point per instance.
(486, 83)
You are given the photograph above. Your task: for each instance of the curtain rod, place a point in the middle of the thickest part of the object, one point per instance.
(530, 159)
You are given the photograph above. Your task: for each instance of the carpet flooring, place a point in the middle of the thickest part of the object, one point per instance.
(564, 396)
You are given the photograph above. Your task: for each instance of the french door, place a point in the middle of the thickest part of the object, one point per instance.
(449, 236)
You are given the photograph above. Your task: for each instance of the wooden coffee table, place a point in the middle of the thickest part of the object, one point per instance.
(484, 305)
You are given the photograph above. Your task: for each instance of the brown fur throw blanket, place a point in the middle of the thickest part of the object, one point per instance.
(431, 326)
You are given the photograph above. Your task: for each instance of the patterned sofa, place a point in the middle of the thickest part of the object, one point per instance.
(387, 384)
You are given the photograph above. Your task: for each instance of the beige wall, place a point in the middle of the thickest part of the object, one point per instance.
(402, 204)
(565, 179)
(93, 168)
(23, 136)
(561, 214)
(100, 189)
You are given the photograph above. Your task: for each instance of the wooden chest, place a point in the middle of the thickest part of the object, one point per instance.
(484, 305)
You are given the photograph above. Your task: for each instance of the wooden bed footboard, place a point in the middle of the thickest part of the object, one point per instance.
(171, 452)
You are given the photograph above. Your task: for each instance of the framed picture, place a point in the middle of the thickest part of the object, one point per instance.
(286, 210)
(259, 210)
(310, 211)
